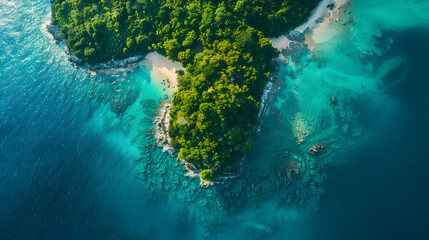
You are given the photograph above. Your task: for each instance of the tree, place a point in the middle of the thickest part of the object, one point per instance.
(207, 175)
(223, 46)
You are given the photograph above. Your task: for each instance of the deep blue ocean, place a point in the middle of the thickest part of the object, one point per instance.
(381, 193)
(68, 164)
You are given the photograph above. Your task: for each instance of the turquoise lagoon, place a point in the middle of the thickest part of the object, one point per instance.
(78, 158)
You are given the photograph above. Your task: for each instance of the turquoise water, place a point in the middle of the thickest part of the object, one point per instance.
(78, 159)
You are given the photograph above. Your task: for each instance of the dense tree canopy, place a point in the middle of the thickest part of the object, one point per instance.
(222, 44)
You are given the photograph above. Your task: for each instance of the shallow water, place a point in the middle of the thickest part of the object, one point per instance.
(73, 168)
(381, 189)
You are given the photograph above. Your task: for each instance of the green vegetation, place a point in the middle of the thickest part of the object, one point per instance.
(222, 45)
(207, 175)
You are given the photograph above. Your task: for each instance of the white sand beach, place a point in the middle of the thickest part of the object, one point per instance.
(323, 32)
(282, 42)
(165, 67)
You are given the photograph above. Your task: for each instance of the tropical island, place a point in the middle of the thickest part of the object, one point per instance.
(222, 45)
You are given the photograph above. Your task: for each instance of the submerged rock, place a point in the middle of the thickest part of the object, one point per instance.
(333, 99)
(291, 167)
(295, 35)
(122, 100)
(295, 50)
(316, 149)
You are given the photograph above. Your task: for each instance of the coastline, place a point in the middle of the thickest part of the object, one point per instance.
(167, 69)
(163, 141)
(321, 32)
(322, 16)
(313, 22)
(158, 62)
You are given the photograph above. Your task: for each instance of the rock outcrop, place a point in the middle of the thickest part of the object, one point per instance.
(316, 149)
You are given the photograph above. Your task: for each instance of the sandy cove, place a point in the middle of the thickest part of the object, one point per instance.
(154, 62)
(168, 69)
(326, 13)
(165, 67)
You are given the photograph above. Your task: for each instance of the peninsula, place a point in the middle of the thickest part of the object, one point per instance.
(222, 45)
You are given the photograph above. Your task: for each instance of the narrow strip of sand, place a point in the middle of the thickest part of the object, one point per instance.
(166, 67)
(282, 42)
(324, 31)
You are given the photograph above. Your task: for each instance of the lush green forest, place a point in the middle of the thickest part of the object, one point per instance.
(222, 45)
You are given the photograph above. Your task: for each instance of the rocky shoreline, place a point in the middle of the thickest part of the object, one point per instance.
(161, 121)
(54, 30)
(163, 141)
(270, 90)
